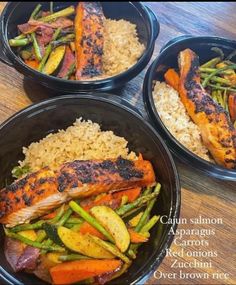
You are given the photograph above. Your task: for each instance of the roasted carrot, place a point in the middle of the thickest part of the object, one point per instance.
(232, 107)
(172, 78)
(132, 194)
(75, 271)
(86, 228)
(87, 204)
(32, 63)
(89, 24)
(50, 215)
(136, 237)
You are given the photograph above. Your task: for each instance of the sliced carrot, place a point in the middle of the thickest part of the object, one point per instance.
(132, 194)
(232, 106)
(172, 78)
(50, 216)
(86, 228)
(136, 237)
(75, 271)
(32, 63)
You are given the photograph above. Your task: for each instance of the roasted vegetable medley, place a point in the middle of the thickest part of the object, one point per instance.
(93, 240)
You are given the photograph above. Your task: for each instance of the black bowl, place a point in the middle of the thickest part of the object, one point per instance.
(168, 58)
(36, 121)
(18, 12)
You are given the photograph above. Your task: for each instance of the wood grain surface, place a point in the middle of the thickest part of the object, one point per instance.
(201, 195)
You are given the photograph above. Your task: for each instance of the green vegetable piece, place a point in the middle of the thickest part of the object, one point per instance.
(70, 257)
(219, 51)
(19, 43)
(88, 218)
(212, 63)
(111, 248)
(71, 70)
(138, 202)
(41, 235)
(217, 79)
(148, 210)
(51, 232)
(25, 227)
(63, 13)
(208, 78)
(36, 47)
(33, 243)
(54, 60)
(151, 223)
(65, 217)
(35, 12)
(19, 171)
(48, 242)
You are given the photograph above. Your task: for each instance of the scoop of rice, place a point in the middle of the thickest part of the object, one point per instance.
(84, 140)
(122, 48)
(174, 116)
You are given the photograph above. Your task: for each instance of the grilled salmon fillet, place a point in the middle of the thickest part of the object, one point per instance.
(217, 131)
(89, 28)
(39, 192)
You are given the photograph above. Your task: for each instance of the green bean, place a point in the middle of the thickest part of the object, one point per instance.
(138, 202)
(212, 62)
(217, 79)
(208, 78)
(148, 210)
(35, 12)
(70, 257)
(36, 47)
(19, 42)
(151, 223)
(48, 50)
(221, 88)
(88, 218)
(33, 243)
(63, 13)
(25, 227)
(111, 248)
(210, 70)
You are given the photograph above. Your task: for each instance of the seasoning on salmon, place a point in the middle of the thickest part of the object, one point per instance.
(39, 192)
(217, 131)
(89, 29)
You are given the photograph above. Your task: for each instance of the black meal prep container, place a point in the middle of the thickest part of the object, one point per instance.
(18, 12)
(168, 58)
(38, 120)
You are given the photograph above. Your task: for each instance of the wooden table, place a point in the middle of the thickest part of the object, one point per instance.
(201, 195)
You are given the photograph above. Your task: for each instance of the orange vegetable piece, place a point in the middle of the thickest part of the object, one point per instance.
(132, 194)
(232, 106)
(75, 271)
(136, 237)
(32, 63)
(172, 78)
(86, 228)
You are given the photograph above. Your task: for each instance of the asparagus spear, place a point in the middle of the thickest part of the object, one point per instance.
(73, 256)
(75, 221)
(60, 212)
(19, 42)
(41, 236)
(217, 79)
(33, 243)
(208, 78)
(36, 47)
(231, 55)
(219, 51)
(221, 88)
(138, 202)
(70, 71)
(210, 70)
(47, 243)
(48, 50)
(36, 11)
(65, 217)
(63, 13)
(148, 210)
(24, 227)
(151, 223)
(111, 248)
(88, 218)
(212, 62)
(63, 40)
